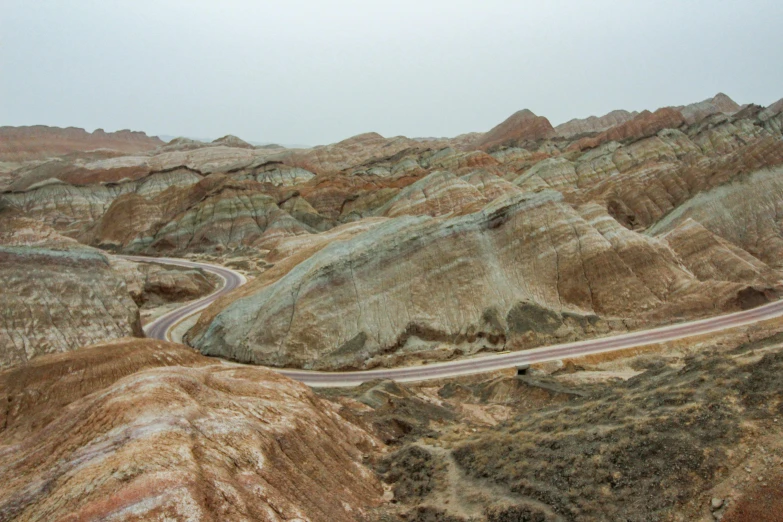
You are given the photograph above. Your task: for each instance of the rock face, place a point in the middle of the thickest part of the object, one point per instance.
(40, 141)
(214, 214)
(439, 194)
(147, 430)
(279, 174)
(577, 126)
(58, 296)
(105, 167)
(643, 125)
(523, 270)
(710, 257)
(743, 213)
(520, 127)
(73, 209)
(644, 180)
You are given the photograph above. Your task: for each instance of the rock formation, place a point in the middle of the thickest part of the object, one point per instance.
(522, 126)
(710, 257)
(743, 213)
(215, 213)
(771, 111)
(641, 182)
(73, 209)
(58, 295)
(439, 194)
(147, 430)
(525, 269)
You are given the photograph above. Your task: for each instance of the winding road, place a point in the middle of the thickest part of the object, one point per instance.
(161, 329)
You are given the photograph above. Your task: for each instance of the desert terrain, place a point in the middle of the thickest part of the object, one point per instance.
(383, 254)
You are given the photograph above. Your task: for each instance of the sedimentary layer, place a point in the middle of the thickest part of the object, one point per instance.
(147, 430)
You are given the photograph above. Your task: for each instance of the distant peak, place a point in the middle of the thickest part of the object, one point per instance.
(524, 113)
(232, 141)
(521, 126)
(724, 103)
(366, 135)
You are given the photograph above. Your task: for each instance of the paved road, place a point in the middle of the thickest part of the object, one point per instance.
(160, 328)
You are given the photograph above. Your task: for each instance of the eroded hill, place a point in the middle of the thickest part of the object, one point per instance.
(379, 251)
(376, 251)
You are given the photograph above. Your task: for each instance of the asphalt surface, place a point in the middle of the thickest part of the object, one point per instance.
(160, 328)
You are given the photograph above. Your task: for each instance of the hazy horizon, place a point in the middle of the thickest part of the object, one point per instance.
(311, 73)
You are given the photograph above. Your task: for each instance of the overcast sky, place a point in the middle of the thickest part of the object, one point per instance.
(312, 72)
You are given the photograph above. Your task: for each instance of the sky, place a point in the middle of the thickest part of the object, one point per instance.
(316, 72)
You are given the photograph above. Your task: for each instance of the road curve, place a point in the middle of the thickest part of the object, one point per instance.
(161, 327)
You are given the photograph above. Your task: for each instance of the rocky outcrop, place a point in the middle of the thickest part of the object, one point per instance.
(693, 113)
(147, 430)
(40, 141)
(74, 172)
(57, 295)
(490, 184)
(148, 214)
(299, 209)
(557, 172)
(522, 126)
(183, 143)
(592, 124)
(339, 196)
